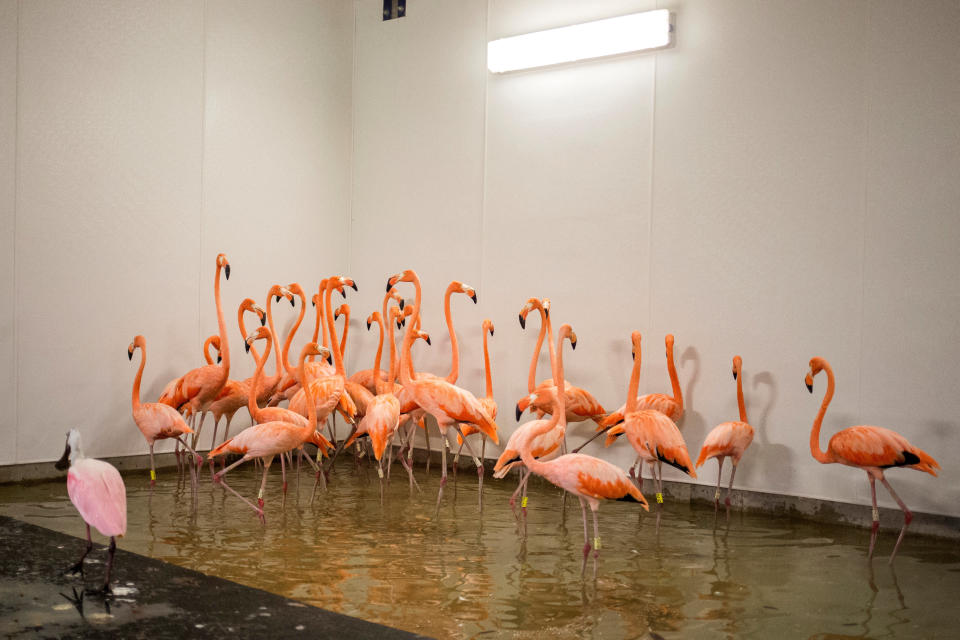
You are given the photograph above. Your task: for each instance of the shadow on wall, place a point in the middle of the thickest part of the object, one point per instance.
(773, 456)
(694, 427)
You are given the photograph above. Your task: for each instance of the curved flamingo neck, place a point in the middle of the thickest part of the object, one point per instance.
(634, 377)
(454, 345)
(559, 416)
(332, 330)
(378, 384)
(291, 333)
(385, 318)
(556, 359)
(222, 326)
(243, 333)
(819, 454)
(674, 380)
(740, 403)
(308, 393)
(407, 373)
(206, 348)
(252, 405)
(135, 400)
(486, 364)
(316, 326)
(346, 328)
(532, 378)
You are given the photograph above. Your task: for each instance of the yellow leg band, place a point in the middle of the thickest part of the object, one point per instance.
(596, 543)
(659, 498)
(153, 474)
(876, 514)
(380, 472)
(523, 501)
(716, 494)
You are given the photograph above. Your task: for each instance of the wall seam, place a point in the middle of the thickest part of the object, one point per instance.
(16, 274)
(203, 161)
(650, 189)
(863, 211)
(353, 140)
(483, 160)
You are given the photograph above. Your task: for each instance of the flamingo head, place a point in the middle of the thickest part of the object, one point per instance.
(314, 349)
(488, 326)
(466, 289)
(421, 335)
(737, 366)
(296, 290)
(138, 342)
(635, 341)
(397, 316)
(525, 402)
(373, 317)
(816, 366)
(248, 304)
(566, 331)
(408, 275)
(339, 282)
(223, 264)
(669, 342)
(343, 309)
(260, 333)
(393, 293)
(277, 292)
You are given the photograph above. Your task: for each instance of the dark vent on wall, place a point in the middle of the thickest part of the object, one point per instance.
(394, 9)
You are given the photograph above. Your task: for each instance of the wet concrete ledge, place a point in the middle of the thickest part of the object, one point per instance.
(152, 599)
(828, 511)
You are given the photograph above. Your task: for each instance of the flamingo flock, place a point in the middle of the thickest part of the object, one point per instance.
(386, 407)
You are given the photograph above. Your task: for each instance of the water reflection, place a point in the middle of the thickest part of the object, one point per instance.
(468, 573)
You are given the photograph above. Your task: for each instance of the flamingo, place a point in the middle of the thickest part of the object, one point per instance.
(449, 404)
(156, 421)
(211, 341)
(267, 439)
(278, 414)
(728, 439)
(489, 404)
(97, 491)
(872, 449)
(198, 388)
(590, 479)
(670, 406)
(654, 436)
(545, 446)
(366, 377)
(580, 404)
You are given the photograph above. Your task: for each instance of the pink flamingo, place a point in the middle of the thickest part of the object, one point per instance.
(653, 435)
(449, 404)
(489, 404)
(366, 377)
(97, 491)
(872, 449)
(670, 406)
(728, 439)
(590, 479)
(267, 439)
(156, 421)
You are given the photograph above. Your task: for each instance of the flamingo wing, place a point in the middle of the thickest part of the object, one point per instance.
(868, 446)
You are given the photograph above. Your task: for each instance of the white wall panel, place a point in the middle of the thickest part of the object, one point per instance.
(758, 214)
(276, 156)
(8, 151)
(912, 302)
(109, 136)
(418, 168)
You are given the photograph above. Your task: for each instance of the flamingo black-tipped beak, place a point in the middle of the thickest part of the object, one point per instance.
(734, 375)
(329, 359)
(491, 331)
(278, 299)
(389, 286)
(313, 303)
(263, 320)
(523, 321)
(546, 311)
(428, 340)
(809, 388)
(400, 325)
(354, 285)
(474, 298)
(573, 345)
(219, 358)
(519, 412)
(130, 355)
(246, 346)
(401, 304)
(343, 294)
(292, 303)
(368, 325)
(226, 271)
(633, 355)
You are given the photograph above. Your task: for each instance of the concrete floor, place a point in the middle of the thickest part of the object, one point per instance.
(38, 600)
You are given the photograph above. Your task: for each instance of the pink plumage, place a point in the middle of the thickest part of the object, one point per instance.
(97, 491)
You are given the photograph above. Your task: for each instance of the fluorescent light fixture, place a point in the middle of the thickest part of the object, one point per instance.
(608, 37)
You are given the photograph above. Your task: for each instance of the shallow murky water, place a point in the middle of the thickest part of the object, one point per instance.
(463, 574)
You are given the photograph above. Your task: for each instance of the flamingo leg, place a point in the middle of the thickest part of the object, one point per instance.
(592, 438)
(476, 461)
(596, 539)
(907, 517)
(426, 435)
(283, 477)
(733, 473)
(716, 493)
(78, 567)
(389, 458)
(196, 433)
(153, 468)
(213, 441)
(875, 525)
(586, 539)
(443, 468)
(263, 484)
(406, 465)
(513, 496)
(110, 553)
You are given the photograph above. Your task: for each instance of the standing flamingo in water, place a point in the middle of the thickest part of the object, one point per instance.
(670, 406)
(97, 491)
(156, 421)
(653, 435)
(590, 479)
(872, 449)
(728, 439)
(487, 401)
(198, 388)
(449, 404)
